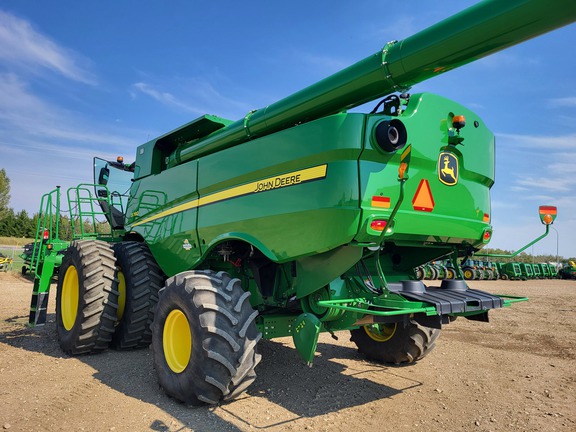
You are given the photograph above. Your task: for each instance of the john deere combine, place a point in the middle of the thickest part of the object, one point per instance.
(297, 219)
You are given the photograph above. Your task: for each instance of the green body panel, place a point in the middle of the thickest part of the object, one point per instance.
(458, 212)
(227, 200)
(295, 194)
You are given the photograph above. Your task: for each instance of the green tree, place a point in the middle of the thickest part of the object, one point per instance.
(24, 226)
(4, 193)
(8, 223)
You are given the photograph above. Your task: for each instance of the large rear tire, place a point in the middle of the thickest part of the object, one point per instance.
(140, 280)
(204, 338)
(395, 343)
(87, 297)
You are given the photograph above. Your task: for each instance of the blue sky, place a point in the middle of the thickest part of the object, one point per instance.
(84, 79)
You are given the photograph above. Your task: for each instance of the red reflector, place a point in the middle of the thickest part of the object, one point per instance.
(487, 235)
(548, 210)
(380, 201)
(378, 225)
(423, 200)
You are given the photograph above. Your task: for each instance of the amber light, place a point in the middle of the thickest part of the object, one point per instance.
(120, 159)
(548, 219)
(458, 122)
(378, 225)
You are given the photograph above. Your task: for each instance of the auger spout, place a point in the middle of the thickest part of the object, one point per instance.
(476, 32)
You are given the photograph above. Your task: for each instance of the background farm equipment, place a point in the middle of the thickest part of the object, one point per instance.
(5, 263)
(297, 219)
(568, 271)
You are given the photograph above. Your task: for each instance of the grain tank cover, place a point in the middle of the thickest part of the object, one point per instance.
(151, 157)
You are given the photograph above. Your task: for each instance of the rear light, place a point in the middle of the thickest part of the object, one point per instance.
(548, 214)
(46, 235)
(378, 225)
(458, 122)
(487, 236)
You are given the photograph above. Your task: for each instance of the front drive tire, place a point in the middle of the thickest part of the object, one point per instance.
(87, 297)
(395, 343)
(140, 280)
(204, 338)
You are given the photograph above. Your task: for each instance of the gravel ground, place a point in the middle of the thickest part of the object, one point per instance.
(516, 373)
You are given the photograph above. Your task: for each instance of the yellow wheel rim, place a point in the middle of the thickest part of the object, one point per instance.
(121, 296)
(177, 341)
(468, 274)
(380, 332)
(69, 298)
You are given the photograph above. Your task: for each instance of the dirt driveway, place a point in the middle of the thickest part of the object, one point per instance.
(516, 373)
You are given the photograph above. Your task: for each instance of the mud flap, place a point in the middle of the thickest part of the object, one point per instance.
(306, 330)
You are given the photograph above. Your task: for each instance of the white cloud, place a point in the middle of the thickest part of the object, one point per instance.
(569, 101)
(24, 115)
(22, 46)
(164, 97)
(195, 96)
(559, 142)
(562, 184)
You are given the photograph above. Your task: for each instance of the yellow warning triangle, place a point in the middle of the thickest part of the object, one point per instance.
(423, 200)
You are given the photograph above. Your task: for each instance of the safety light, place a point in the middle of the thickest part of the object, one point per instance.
(120, 159)
(46, 234)
(458, 122)
(49, 246)
(547, 214)
(378, 225)
(487, 235)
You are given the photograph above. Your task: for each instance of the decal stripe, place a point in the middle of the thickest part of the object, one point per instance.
(277, 182)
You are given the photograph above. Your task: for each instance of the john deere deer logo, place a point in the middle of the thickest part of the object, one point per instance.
(448, 169)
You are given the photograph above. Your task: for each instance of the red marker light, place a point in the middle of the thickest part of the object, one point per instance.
(46, 235)
(378, 225)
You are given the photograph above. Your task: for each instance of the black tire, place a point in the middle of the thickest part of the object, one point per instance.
(140, 280)
(204, 338)
(87, 297)
(468, 273)
(24, 270)
(419, 273)
(395, 343)
(450, 273)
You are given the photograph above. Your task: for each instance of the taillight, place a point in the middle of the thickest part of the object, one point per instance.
(378, 225)
(46, 234)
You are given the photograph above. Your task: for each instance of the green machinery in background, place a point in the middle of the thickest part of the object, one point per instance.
(297, 219)
(568, 271)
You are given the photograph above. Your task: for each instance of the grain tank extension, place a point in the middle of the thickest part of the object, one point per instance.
(297, 219)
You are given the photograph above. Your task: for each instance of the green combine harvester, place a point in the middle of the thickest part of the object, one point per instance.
(297, 219)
